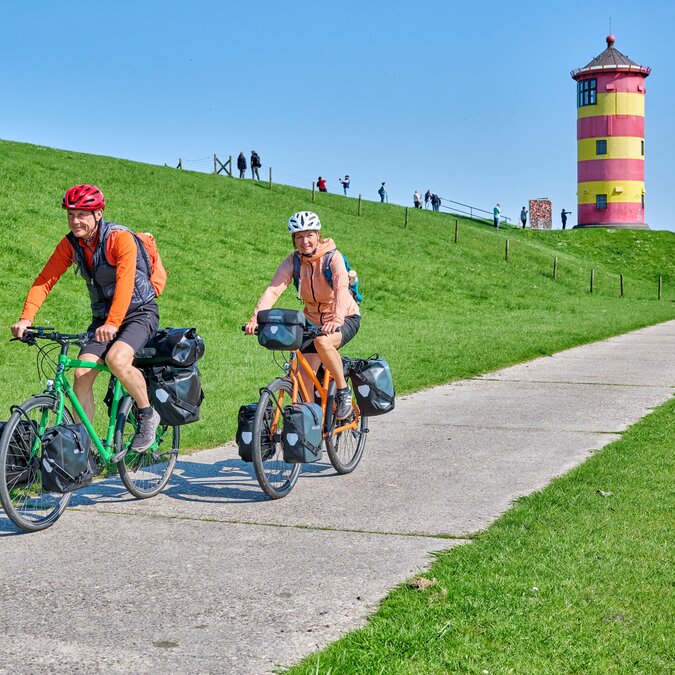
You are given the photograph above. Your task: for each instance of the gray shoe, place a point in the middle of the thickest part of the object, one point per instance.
(145, 435)
(343, 404)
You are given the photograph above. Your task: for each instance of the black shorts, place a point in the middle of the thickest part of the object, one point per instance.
(348, 330)
(136, 329)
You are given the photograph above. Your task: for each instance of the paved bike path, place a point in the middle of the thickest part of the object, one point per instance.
(210, 577)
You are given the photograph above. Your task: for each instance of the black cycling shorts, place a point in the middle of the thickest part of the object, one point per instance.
(348, 330)
(136, 329)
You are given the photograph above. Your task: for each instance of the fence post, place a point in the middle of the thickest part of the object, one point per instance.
(506, 250)
(230, 163)
(555, 266)
(406, 218)
(215, 168)
(456, 230)
(660, 286)
(359, 209)
(270, 178)
(621, 284)
(592, 279)
(313, 186)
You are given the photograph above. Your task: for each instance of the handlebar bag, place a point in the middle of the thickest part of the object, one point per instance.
(66, 464)
(175, 393)
(302, 436)
(373, 387)
(281, 328)
(245, 420)
(18, 466)
(174, 346)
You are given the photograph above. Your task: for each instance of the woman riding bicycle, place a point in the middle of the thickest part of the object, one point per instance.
(332, 308)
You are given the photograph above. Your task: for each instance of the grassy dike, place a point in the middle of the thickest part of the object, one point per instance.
(576, 578)
(438, 311)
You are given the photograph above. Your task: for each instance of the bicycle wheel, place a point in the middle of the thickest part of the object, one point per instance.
(144, 474)
(345, 448)
(25, 502)
(275, 476)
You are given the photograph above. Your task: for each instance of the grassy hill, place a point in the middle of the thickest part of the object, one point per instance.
(437, 310)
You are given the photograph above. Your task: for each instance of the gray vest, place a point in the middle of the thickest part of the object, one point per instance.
(101, 280)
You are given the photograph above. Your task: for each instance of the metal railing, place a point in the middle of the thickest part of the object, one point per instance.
(473, 211)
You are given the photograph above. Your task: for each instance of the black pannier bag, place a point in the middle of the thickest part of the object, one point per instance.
(17, 469)
(373, 387)
(280, 328)
(175, 346)
(66, 465)
(245, 420)
(175, 393)
(302, 436)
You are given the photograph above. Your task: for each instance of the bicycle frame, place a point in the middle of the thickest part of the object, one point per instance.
(296, 362)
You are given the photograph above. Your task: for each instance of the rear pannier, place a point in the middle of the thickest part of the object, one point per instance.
(281, 328)
(175, 346)
(66, 464)
(175, 393)
(373, 387)
(302, 436)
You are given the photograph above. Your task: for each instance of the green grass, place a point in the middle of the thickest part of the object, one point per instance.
(577, 578)
(438, 311)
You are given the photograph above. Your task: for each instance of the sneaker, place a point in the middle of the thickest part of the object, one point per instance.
(147, 428)
(343, 404)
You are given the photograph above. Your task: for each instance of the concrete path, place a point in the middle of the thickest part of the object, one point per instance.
(210, 577)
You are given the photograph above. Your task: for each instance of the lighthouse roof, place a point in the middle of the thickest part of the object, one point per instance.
(611, 59)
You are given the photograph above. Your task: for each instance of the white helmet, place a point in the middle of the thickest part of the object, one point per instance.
(302, 221)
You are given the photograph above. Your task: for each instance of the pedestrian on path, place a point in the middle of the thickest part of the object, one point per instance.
(496, 212)
(523, 217)
(255, 165)
(435, 202)
(345, 183)
(321, 184)
(417, 200)
(383, 193)
(241, 165)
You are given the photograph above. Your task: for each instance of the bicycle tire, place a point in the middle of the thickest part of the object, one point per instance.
(26, 504)
(345, 450)
(144, 474)
(275, 476)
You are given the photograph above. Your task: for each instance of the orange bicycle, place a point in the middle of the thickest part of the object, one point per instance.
(345, 439)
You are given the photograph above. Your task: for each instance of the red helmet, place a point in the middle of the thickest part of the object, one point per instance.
(84, 197)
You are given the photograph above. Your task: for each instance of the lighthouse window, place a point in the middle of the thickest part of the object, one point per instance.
(601, 147)
(600, 201)
(643, 148)
(587, 93)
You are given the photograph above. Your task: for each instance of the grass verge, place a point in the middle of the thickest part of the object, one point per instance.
(576, 578)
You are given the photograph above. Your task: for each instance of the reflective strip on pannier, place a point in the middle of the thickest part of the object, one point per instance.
(281, 328)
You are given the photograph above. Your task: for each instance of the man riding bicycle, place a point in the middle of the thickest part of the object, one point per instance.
(332, 308)
(124, 311)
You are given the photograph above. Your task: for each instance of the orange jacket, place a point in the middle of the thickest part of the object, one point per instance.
(322, 303)
(120, 252)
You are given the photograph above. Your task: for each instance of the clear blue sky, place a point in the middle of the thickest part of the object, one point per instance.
(473, 100)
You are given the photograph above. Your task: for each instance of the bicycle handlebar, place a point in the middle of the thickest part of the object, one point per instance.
(32, 333)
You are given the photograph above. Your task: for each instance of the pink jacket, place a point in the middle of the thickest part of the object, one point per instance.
(322, 303)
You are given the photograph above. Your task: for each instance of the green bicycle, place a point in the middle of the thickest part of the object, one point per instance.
(23, 498)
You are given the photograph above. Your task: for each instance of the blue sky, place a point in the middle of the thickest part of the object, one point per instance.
(474, 101)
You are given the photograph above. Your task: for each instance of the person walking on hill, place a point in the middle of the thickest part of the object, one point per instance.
(116, 266)
(255, 165)
(345, 183)
(435, 202)
(417, 200)
(329, 305)
(382, 192)
(427, 199)
(496, 212)
(321, 184)
(523, 216)
(241, 165)
(563, 217)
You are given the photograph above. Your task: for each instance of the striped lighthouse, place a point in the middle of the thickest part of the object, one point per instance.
(611, 141)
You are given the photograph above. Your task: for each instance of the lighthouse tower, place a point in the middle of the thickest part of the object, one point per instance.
(611, 141)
